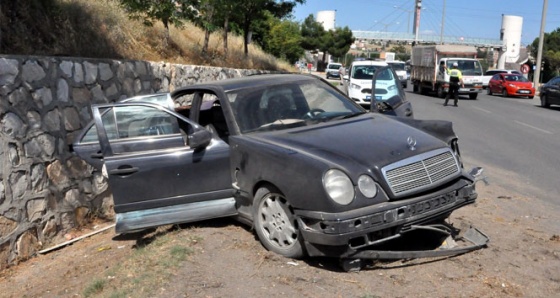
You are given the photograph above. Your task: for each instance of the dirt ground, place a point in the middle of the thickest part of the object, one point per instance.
(226, 260)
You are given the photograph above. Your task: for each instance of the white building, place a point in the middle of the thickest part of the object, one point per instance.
(327, 18)
(510, 35)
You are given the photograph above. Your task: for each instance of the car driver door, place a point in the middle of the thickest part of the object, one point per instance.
(161, 167)
(388, 96)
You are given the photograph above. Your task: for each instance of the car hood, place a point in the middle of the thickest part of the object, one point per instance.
(369, 140)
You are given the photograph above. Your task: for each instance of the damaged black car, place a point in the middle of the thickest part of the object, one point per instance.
(313, 172)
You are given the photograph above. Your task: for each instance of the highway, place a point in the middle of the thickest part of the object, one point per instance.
(514, 139)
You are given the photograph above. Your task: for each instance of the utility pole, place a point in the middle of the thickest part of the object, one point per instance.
(418, 8)
(536, 78)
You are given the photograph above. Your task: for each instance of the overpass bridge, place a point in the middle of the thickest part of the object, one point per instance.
(427, 38)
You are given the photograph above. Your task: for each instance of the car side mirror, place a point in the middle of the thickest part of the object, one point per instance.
(346, 77)
(200, 138)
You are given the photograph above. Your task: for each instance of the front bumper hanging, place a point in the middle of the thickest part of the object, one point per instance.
(473, 239)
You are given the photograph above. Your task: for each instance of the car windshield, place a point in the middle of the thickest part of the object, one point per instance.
(287, 105)
(467, 67)
(397, 66)
(364, 72)
(515, 78)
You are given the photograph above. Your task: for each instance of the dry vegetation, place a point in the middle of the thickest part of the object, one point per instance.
(101, 29)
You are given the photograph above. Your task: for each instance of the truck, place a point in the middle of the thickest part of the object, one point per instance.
(428, 74)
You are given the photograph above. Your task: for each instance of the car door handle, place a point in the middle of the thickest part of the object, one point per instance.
(124, 171)
(408, 112)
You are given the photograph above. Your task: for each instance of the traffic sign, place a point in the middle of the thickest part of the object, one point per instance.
(525, 69)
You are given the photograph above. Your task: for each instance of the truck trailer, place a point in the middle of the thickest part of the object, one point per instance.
(428, 74)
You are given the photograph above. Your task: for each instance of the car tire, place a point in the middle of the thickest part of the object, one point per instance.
(504, 93)
(531, 97)
(544, 102)
(275, 223)
(488, 90)
(473, 95)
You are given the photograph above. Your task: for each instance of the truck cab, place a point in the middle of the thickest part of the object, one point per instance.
(472, 76)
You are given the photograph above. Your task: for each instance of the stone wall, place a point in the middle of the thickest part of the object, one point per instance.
(45, 190)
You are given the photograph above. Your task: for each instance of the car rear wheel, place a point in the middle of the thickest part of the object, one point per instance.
(275, 223)
(544, 102)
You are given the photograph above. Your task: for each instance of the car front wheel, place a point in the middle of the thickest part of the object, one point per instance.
(275, 223)
(544, 102)
(504, 93)
(488, 90)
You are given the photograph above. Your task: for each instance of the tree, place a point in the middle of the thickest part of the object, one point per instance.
(283, 40)
(550, 54)
(169, 12)
(312, 33)
(249, 11)
(340, 41)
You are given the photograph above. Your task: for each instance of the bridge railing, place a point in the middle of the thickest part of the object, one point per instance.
(426, 38)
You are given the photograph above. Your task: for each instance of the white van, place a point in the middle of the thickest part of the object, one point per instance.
(358, 81)
(400, 68)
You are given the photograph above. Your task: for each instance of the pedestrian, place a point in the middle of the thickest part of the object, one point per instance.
(455, 80)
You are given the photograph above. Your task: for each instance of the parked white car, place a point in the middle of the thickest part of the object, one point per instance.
(490, 73)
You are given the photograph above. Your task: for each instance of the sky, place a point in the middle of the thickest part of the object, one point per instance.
(472, 18)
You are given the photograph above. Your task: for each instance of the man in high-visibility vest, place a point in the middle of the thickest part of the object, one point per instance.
(455, 80)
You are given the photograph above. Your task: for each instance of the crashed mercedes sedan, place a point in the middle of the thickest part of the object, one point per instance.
(313, 172)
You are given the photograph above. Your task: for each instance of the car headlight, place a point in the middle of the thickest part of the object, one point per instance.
(355, 86)
(512, 85)
(338, 186)
(367, 186)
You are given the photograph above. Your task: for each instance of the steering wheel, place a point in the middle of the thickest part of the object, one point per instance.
(313, 113)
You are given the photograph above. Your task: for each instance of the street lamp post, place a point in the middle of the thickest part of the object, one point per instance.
(407, 11)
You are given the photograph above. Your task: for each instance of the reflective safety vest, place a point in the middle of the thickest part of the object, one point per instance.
(455, 75)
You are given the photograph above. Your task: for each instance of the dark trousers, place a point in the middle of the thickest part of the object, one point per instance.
(453, 91)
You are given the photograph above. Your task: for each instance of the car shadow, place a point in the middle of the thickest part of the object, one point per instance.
(554, 108)
(147, 236)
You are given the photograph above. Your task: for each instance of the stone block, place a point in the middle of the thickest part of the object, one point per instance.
(8, 71)
(7, 226)
(31, 71)
(35, 209)
(13, 126)
(27, 244)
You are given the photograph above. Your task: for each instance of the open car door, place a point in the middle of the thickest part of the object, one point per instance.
(388, 96)
(162, 167)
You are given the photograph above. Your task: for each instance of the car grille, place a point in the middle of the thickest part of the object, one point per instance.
(421, 172)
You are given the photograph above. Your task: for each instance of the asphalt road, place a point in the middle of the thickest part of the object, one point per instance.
(514, 139)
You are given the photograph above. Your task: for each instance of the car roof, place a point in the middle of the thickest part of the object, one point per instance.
(369, 62)
(228, 85)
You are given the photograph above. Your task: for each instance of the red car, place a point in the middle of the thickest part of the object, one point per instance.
(508, 84)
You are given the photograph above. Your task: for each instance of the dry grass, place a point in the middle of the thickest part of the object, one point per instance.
(154, 262)
(101, 29)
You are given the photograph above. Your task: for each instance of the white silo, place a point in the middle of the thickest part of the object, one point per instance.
(510, 35)
(327, 18)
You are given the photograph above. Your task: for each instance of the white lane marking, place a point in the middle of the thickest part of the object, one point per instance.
(480, 109)
(536, 128)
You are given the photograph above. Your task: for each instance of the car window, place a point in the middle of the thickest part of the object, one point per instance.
(515, 78)
(288, 105)
(496, 77)
(364, 72)
(334, 66)
(397, 66)
(138, 121)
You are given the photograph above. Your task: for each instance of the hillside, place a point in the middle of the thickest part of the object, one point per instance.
(101, 29)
